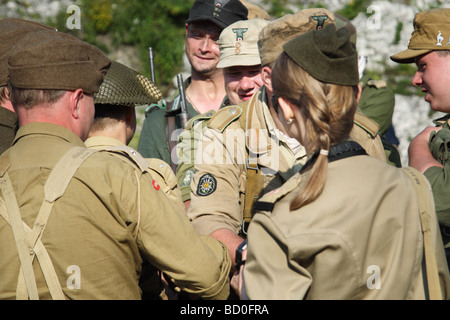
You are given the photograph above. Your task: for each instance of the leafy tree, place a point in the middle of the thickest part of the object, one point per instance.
(141, 23)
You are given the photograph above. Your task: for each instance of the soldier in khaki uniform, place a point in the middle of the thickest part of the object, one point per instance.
(205, 86)
(241, 65)
(337, 230)
(114, 126)
(92, 231)
(242, 154)
(11, 30)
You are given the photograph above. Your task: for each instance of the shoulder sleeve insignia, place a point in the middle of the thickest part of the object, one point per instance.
(206, 185)
(187, 177)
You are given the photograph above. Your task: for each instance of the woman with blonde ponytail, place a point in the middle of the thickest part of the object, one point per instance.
(347, 226)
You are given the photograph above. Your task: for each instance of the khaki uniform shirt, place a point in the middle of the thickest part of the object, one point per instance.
(159, 170)
(91, 227)
(219, 182)
(360, 239)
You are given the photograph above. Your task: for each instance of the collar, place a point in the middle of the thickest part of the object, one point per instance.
(50, 129)
(100, 142)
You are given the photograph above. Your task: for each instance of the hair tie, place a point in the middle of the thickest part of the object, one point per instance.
(324, 152)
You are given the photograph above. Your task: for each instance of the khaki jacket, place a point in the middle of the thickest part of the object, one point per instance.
(159, 170)
(219, 183)
(360, 239)
(90, 236)
(221, 161)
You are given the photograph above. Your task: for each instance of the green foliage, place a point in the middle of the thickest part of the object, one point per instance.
(159, 24)
(278, 8)
(352, 8)
(398, 30)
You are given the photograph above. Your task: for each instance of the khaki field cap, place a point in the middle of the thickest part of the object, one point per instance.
(255, 12)
(279, 31)
(56, 61)
(327, 55)
(126, 87)
(11, 31)
(221, 12)
(431, 32)
(238, 43)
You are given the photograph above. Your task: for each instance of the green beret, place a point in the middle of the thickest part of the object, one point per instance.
(126, 87)
(327, 55)
(56, 61)
(11, 31)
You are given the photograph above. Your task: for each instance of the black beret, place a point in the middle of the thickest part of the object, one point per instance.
(221, 12)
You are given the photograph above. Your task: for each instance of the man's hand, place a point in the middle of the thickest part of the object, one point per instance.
(420, 156)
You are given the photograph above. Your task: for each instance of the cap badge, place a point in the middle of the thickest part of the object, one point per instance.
(240, 33)
(320, 21)
(439, 39)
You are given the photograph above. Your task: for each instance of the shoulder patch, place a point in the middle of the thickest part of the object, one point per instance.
(206, 185)
(224, 117)
(187, 178)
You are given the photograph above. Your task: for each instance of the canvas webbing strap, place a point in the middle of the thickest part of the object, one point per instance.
(19, 236)
(54, 188)
(434, 288)
(254, 178)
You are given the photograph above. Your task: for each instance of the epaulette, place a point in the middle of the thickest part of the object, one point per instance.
(367, 124)
(442, 121)
(201, 117)
(131, 154)
(377, 83)
(224, 117)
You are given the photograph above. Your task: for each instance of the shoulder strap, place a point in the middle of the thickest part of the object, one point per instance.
(254, 179)
(19, 236)
(426, 212)
(224, 117)
(367, 124)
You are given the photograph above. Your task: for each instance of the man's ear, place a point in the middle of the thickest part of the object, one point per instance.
(358, 94)
(266, 76)
(74, 102)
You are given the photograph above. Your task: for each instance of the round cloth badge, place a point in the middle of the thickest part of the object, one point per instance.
(206, 185)
(155, 185)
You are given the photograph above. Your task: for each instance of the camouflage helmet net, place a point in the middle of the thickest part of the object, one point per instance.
(126, 87)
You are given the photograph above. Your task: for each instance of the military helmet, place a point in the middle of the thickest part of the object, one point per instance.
(127, 87)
